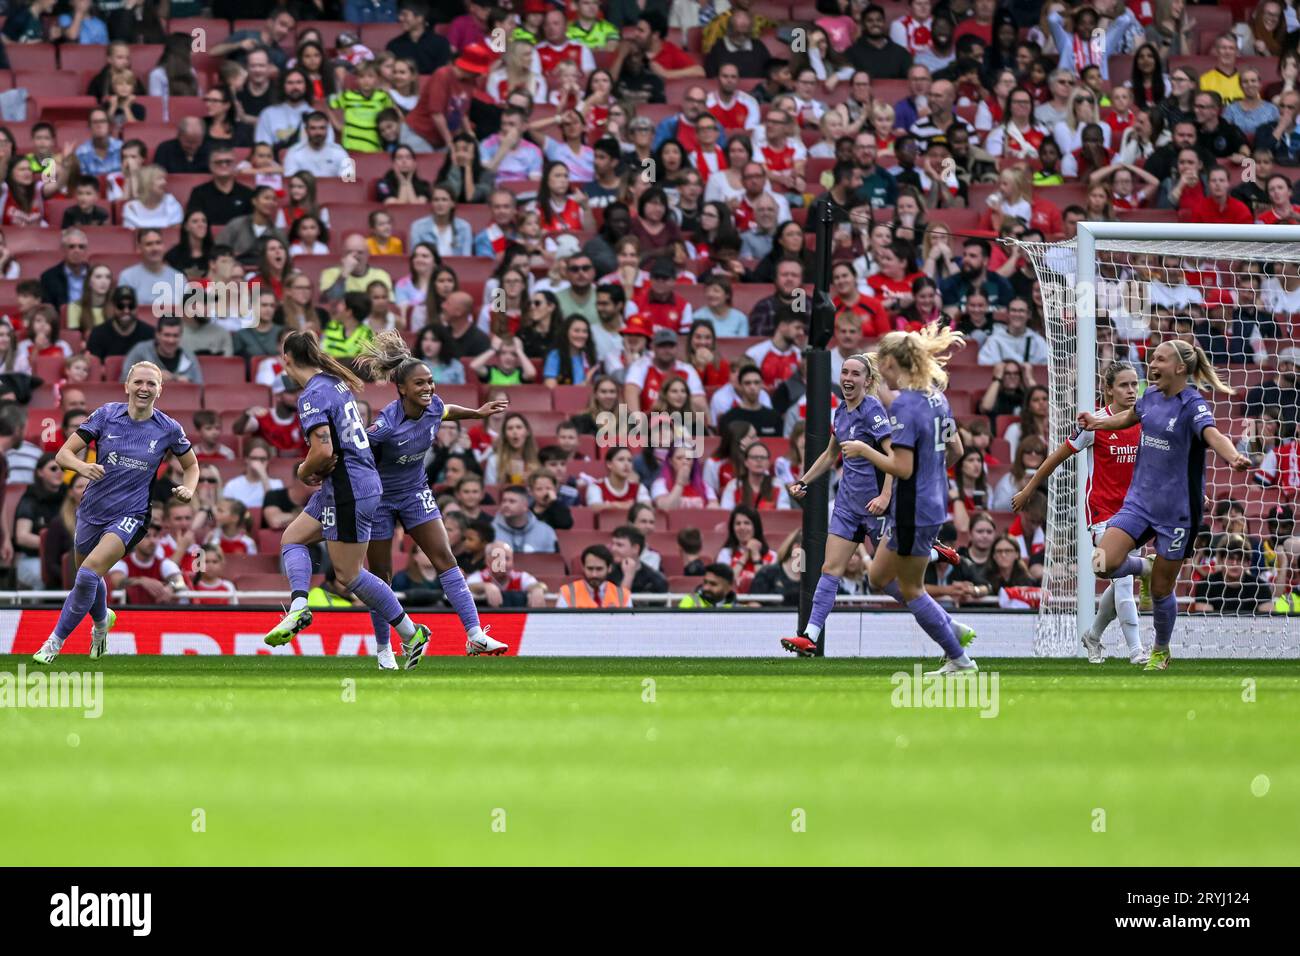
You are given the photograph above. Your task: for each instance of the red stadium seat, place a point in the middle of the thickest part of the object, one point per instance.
(223, 370)
(377, 35)
(33, 58)
(529, 399)
(240, 564)
(238, 397)
(261, 582)
(542, 565)
(41, 82)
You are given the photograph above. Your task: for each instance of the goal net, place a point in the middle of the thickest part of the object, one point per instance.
(1117, 292)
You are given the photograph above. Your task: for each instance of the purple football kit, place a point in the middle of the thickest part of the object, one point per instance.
(860, 481)
(346, 501)
(919, 505)
(130, 452)
(1166, 497)
(400, 444)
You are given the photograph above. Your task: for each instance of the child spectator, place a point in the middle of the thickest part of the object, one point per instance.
(381, 241)
(354, 112)
(208, 447)
(230, 534)
(209, 578)
(85, 212)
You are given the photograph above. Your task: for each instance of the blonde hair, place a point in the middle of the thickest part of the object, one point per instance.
(146, 177)
(1200, 369)
(386, 358)
(146, 364)
(922, 355)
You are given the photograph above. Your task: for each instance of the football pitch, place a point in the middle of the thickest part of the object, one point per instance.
(317, 761)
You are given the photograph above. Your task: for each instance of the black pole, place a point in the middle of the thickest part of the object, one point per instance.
(817, 421)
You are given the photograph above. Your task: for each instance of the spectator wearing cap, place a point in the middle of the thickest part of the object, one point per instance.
(123, 331)
(659, 304)
(417, 41)
(594, 589)
(635, 345)
(874, 52)
(738, 46)
(508, 155)
(443, 109)
(278, 425)
(645, 377)
(269, 37)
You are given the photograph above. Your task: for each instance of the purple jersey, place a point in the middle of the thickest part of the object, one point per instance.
(328, 401)
(861, 480)
(1169, 479)
(922, 422)
(400, 444)
(130, 452)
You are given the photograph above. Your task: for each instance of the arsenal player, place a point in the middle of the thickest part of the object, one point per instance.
(1114, 453)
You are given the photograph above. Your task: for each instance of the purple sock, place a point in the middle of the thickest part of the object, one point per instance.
(379, 597)
(1130, 565)
(99, 607)
(1165, 612)
(383, 630)
(297, 568)
(823, 599)
(895, 592)
(77, 603)
(935, 622)
(457, 591)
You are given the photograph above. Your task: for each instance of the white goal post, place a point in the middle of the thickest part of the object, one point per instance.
(1140, 283)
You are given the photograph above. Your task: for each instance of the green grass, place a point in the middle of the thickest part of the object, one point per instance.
(711, 772)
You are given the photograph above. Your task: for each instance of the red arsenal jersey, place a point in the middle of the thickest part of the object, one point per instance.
(1114, 454)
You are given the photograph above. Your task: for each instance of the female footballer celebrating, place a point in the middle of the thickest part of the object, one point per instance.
(861, 431)
(342, 510)
(131, 440)
(1167, 493)
(1113, 454)
(925, 440)
(400, 437)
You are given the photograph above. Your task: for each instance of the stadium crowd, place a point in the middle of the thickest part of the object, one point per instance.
(604, 211)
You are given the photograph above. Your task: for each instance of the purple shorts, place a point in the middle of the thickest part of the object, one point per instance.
(130, 530)
(1173, 542)
(911, 541)
(347, 522)
(411, 510)
(855, 527)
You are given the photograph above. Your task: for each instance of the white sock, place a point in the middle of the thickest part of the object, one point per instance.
(934, 555)
(405, 627)
(1105, 610)
(812, 632)
(963, 660)
(298, 604)
(1126, 605)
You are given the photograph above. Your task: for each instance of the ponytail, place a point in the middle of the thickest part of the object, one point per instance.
(1200, 369)
(304, 348)
(922, 354)
(386, 358)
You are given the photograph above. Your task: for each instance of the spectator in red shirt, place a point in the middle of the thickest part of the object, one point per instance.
(443, 107)
(1281, 209)
(666, 58)
(278, 424)
(1217, 206)
(848, 301)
